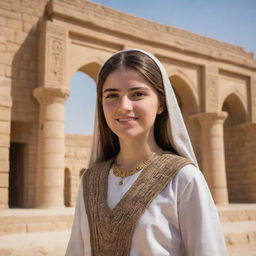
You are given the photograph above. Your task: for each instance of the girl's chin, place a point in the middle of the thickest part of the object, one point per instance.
(125, 135)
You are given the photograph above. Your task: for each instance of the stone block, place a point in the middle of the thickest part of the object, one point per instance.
(5, 114)
(4, 140)
(2, 21)
(20, 37)
(27, 27)
(3, 196)
(236, 239)
(14, 24)
(4, 180)
(5, 5)
(4, 166)
(61, 225)
(2, 69)
(7, 252)
(2, 47)
(40, 227)
(26, 18)
(21, 8)
(6, 58)
(10, 14)
(4, 153)
(8, 71)
(252, 237)
(15, 228)
(12, 48)
(8, 34)
(5, 127)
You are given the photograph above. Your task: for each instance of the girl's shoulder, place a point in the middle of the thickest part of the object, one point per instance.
(189, 176)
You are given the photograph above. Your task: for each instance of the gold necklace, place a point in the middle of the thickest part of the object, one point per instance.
(125, 173)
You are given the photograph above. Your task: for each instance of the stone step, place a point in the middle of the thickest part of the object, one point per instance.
(242, 251)
(13, 221)
(34, 244)
(240, 233)
(55, 243)
(237, 212)
(26, 231)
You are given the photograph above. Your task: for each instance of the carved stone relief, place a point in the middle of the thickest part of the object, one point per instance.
(212, 93)
(56, 55)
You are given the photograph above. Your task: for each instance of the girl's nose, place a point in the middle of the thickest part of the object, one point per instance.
(124, 104)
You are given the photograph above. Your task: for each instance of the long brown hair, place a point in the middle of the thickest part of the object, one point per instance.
(143, 64)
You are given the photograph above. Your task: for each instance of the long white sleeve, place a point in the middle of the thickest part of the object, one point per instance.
(199, 223)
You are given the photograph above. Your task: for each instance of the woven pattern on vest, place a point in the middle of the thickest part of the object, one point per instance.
(111, 230)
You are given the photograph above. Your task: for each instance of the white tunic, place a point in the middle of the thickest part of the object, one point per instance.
(181, 220)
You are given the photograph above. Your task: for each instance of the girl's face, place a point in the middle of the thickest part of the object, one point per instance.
(130, 104)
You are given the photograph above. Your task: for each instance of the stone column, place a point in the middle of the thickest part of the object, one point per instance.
(213, 154)
(51, 151)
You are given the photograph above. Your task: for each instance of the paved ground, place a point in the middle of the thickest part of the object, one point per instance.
(54, 243)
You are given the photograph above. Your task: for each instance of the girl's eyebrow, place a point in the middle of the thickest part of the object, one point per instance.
(131, 89)
(111, 90)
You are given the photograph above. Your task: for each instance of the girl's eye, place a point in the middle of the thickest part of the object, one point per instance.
(138, 94)
(111, 95)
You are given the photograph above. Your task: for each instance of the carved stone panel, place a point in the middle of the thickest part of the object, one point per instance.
(211, 89)
(56, 60)
(212, 93)
(52, 55)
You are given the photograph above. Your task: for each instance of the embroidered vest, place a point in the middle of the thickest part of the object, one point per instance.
(111, 230)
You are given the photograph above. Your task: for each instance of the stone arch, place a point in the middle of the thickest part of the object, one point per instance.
(236, 102)
(67, 187)
(184, 90)
(234, 105)
(90, 68)
(90, 65)
(236, 166)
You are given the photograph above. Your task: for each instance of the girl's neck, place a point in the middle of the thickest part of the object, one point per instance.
(132, 152)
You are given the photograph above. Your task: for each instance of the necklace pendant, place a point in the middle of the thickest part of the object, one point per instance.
(121, 182)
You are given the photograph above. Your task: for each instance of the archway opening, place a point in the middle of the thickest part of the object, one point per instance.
(16, 175)
(236, 166)
(80, 106)
(79, 123)
(21, 175)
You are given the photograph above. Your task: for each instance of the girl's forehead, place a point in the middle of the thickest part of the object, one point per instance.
(125, 78)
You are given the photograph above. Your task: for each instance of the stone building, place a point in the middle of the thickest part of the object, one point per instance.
(43, 43)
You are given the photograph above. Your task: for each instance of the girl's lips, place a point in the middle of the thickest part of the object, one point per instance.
(127, 119)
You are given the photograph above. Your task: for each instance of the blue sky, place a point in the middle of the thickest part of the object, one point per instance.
(231, 21)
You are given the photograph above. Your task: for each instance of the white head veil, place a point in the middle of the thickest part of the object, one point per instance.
(177, 131)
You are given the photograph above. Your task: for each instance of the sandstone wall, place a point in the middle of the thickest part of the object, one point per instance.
(18, 77)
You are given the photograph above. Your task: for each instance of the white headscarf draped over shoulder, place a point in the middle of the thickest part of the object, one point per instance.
(177, 131)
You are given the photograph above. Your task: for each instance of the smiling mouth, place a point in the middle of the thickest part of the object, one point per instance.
(126, 119)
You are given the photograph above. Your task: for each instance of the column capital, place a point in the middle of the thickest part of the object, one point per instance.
(210, 117)
(46, 95)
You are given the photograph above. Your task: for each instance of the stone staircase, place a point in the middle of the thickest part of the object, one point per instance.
(239, 226)
(37, 232)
